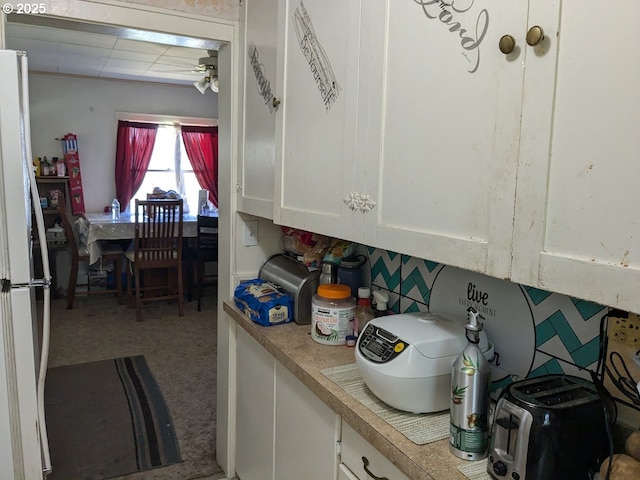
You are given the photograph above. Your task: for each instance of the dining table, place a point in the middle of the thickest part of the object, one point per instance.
(102, 227)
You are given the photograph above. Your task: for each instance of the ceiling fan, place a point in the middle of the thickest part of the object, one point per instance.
(209, 66)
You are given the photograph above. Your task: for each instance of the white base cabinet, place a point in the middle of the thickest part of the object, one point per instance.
(283, 430)
(306, 432)
(255, 398)
(359, 460)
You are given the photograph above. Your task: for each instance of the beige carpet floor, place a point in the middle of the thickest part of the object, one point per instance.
(181, 352)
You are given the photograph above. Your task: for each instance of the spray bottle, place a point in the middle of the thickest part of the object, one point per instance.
(381, 299)
(470, 381)
(364, 312)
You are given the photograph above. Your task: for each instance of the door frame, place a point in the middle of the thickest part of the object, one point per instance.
(143, 17)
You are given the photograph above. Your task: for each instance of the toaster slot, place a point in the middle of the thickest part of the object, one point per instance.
(566, 397)
(507, 435)
(537, 386)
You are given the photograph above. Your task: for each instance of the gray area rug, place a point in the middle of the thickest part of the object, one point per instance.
(181, 352)
(114, 413)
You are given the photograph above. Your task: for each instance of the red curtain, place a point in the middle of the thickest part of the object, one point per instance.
(201, 144)
(133, 154)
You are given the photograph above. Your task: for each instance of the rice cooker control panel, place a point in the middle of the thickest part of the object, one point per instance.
(380, 345)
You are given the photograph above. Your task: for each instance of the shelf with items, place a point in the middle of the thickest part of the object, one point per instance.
(50, 189)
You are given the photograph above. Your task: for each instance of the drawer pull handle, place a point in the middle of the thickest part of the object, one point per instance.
(365, 464)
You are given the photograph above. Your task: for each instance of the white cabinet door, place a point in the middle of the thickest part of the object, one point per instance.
(363, 460)
(258, 20)
(319, 121)
(443, 158)
(255, 409)
(344, 473)
(307, 432)
(578, 215)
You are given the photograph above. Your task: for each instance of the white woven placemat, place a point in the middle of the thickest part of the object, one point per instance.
(419, 428)
(475, 470)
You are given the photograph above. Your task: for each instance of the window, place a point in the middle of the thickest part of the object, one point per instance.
(170, 169)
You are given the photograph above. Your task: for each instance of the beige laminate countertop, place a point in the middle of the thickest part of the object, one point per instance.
(292, 346)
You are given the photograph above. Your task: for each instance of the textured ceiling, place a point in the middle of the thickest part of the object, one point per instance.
(63, 47)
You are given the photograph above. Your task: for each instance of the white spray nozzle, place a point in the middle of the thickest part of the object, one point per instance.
(381, 299)
(474, 320)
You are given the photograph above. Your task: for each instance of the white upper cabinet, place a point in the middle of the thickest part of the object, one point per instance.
(577, 228)
(258, 104)
(319, 122)
(444, 129)
(499, 137)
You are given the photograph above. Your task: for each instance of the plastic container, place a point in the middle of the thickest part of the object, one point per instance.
(332, 311)
(364, 312)
(115, 209)
(350, 273)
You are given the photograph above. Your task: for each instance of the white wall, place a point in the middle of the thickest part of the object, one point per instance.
(87, 107)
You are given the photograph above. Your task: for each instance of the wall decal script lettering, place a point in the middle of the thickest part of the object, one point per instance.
(476, 295)
(446, 12)
(263, 84)
(319, 64)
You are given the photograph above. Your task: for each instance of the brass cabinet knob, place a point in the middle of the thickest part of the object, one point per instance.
(506, 44)
(535, 35)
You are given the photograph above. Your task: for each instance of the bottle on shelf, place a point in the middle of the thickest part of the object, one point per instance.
(381, 300)
(364, 312)
(115, 209)
(37, 166)
(60, 167)
(45, 167)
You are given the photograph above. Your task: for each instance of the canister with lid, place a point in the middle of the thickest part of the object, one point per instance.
(332, 312)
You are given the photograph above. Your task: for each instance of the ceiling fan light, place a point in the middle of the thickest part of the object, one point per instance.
(203, 84)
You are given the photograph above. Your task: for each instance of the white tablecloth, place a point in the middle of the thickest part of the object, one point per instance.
(102, 227)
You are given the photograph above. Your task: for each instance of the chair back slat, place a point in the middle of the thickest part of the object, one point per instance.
(158, 231)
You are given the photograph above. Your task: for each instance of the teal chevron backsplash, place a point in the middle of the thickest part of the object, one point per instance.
(559, 333)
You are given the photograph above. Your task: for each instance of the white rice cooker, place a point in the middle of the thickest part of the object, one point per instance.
(406, 359)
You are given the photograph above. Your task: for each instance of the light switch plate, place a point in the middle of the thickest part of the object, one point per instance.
(250, 233)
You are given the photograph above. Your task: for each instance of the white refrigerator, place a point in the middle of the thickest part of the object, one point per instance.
(24, 450)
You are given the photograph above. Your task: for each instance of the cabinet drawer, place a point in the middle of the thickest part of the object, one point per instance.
(355, 448)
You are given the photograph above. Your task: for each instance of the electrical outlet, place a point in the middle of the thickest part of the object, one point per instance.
(633, 331)
(250, 233)
(626, 330)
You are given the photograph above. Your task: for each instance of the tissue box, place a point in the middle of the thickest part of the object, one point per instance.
(263, 302)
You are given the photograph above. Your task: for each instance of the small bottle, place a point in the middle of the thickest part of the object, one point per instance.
(45, 167)
(60, 168)
(364, 312)
(328, 274)
(115, 209)
(381, 301)
(469, 406)
(37, 166)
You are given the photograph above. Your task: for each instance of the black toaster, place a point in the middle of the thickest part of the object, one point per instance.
(548, 428)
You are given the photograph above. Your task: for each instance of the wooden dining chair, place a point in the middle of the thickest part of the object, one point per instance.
(80, 254)
(206, 252)
(157, 245)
